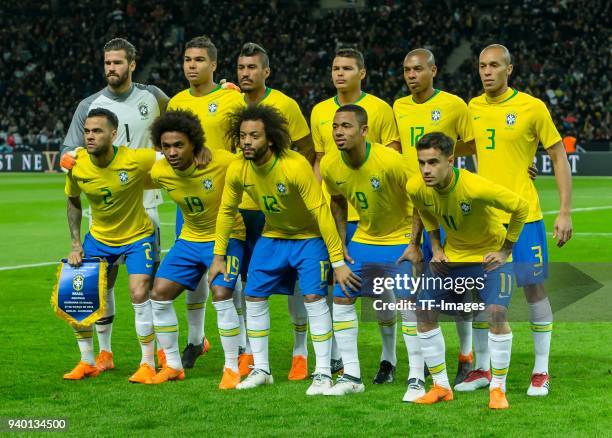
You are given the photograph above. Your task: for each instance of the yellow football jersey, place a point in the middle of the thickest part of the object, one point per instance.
(288, 194)
(381, 127)
(381, 123)
(289, 108)
(442, 112)
(298, 128)
(198, 194)
(212, 110)
(465, 211)
(376, 190)
(507, 131)
(115, 194)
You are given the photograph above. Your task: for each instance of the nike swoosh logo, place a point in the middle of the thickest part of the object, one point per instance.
(86, 181)
(323, 122)
(403, 116)
(427, 205)
(248, 185)
(148, 265)
(340, 182)
(170, 190)
(476, 118)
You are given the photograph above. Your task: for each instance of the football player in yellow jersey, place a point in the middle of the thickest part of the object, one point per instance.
(253, 68)
(212, 104)
(197, 192)
(348, 70)
(474, 256)
(508, 126)
(299, 237)
(373, 179)
(425, 110)
(113, 178)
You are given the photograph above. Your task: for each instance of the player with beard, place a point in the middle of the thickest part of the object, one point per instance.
(136, 106)
(253, 69)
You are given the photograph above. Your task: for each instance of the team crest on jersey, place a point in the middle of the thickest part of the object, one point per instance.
(207, 184)
(123, 177)
(375, 182)
(143, 109)
(78, 281)
(511, 119)
(466, 207)
(212, 107)
(281, 188)
(436, 115)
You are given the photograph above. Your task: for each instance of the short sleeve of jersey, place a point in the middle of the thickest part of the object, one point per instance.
(544, 126)
(71, 188)
(315, 132)
(464, 124)
(298, 128)
(145, 158)
(388, 127)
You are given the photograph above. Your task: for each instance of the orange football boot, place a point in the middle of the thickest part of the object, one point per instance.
(144, 373)
(81, 371)
(497, 399)
(245, 362)
(104, 361)
(206, 345)
(436, 394)
(161, 359)
(230, 379)
(165, 375)
(299, 368)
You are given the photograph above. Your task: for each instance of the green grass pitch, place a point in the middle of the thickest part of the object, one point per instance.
(36, 348)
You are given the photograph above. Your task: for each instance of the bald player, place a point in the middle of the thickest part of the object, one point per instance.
(428, 109)
(508, 127)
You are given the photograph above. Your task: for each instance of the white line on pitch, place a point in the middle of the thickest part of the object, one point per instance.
(586, 234)
(603, 207)
(36, 265)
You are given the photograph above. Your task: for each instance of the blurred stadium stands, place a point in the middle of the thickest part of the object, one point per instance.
(52, 52)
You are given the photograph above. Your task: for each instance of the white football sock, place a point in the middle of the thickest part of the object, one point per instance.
(413, 345)
(346, 328)
(238, 298)
(143, 318)
(228, 323)
(464, 332)
(104, 326)
(388, 331)
(299, 316)
(85, 341)
(258, 329)
(480, 333)
(434, 353)
(196, 311)
(321, 334)
(541, 317)
(500, 347)
(329, 298)
(166, 330)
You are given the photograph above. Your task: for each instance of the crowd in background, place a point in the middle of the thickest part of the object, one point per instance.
(51, 52)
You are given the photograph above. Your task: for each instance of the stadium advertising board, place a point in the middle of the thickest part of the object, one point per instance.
(30, 162)
(588, 164)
